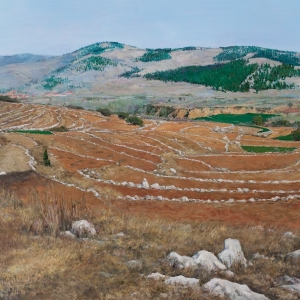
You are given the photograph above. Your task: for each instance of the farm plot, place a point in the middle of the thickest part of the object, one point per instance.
(163, 161)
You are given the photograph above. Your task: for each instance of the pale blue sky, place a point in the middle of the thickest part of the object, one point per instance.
(61, 26)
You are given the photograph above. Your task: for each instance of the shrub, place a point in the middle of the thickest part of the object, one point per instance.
(123, 115)
(296, 134)
(135, 120)
(7, 99)
(258, 120)
(104, 111)
(60, 129)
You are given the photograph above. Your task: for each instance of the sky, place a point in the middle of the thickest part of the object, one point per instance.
(55, 27)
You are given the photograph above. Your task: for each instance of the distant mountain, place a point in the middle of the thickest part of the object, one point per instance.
(103, 67)
(21, 58)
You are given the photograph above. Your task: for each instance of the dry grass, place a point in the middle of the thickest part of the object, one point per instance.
(36, 263)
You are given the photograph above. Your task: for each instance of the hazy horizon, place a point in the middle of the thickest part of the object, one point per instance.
(59, 27)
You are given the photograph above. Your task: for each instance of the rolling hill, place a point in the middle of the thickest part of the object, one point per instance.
(111, 69)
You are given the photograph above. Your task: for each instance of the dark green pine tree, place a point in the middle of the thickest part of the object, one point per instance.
(46, 159)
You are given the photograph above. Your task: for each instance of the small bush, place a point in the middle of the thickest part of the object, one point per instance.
(296, 134)
(74, 106)
(104, 111)
(123, 115)
(134, 120)
(258, 120)
(59, 129)
(7, 99)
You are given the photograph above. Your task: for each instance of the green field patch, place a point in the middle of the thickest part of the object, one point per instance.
(32, 131)
(237, 119)
(264, 149)
(288, 137)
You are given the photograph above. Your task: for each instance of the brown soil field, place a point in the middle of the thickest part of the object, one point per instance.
(199, 171)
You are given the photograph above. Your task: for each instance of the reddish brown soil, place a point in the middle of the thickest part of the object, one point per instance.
(280, 214)
(107, 148)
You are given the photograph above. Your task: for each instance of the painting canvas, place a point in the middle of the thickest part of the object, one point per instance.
(149, 149)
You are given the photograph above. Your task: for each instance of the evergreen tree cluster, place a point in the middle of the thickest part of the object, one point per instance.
(229, 76)
(53, 81)
(131, 73)
(96, 63)
(267, 77)
(155, 55)
(238, 52)
(98, 48)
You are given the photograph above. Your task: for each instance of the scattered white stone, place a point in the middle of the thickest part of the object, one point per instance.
(227, 273)
(145, 184)
(173, 170)
(2, 173)
(82, 228)
(287, 280)
(231, 290)
(120, 234)
(292, 287)
(232, 253)
(208, 261)
(180, 261)
(181, 280)
(294, 254)
(124, 183)
(156, 276)
(155, 186)
(134, 264)
(289, 234)
(67, 234)
(259, 256)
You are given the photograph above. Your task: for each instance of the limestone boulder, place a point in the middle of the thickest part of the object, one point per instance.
(231, 290)
(232, 253)
(83, 228)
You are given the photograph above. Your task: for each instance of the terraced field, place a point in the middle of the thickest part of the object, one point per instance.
(162, 162)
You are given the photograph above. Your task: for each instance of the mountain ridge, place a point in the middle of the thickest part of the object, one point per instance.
(98, 66)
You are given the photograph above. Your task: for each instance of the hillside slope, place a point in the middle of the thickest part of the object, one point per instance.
(111, 68)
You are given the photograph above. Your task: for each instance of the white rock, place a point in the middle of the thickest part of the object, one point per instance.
(259, 256)
(156, 276)
(289, 234)
(232, 253)
(155, 186)
(2, 173)
(134, 264)
(227, 273)
(181, 280)
(180, 261)
(82, 228)
(292, 287)
(231, 290)
(120, 234)
(145, 184)
(208, 261)
(67, 234)
(173, 170)
(294, 254)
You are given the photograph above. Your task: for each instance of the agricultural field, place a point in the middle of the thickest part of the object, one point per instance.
(162, 162)
(166, 186)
